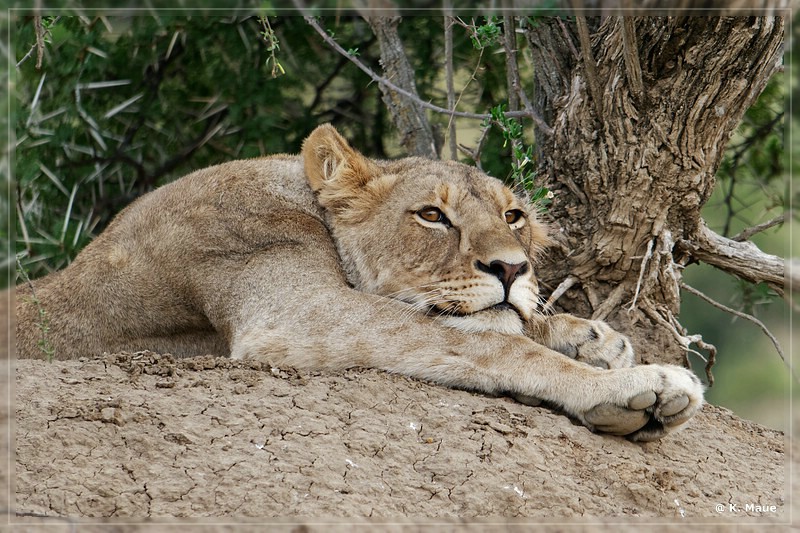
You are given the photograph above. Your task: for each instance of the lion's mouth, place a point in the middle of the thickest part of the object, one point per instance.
(502, 306)
(502, 317)
(505, 306)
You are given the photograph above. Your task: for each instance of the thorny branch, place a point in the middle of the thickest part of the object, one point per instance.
(39, 28)
(41, 35)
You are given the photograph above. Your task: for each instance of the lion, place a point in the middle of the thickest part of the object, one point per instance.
(329, 260)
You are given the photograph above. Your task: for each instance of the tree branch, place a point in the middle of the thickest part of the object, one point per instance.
(383, 81)
(663, 316)
(738, 153)
(568, 39)
(451, 92)
(610, 304)
(416, 134)
(37, 23)
(516, 91)
(749, 232)
(745, 316)
(320, 88)
(642, 269)
(475, 154)
(512, 74)
(590, 66)
(742, 259)
(41, 35)
(512, 70)
(631, 52)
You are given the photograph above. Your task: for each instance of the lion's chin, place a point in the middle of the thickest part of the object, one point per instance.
(497, 320)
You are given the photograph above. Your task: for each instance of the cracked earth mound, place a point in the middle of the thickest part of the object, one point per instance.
(146, 435)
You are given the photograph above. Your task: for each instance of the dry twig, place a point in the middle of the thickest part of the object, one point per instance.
(749, 232)
(645, 260)
(665, 317)
(563, 287)
(475, 154)
(745, 316)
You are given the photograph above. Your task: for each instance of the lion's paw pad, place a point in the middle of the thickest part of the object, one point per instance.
(616, 420)
(672, 396)
(643, 400)
(674, 406)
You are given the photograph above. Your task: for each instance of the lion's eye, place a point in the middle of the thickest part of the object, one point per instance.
(513, 216)
(433, 214)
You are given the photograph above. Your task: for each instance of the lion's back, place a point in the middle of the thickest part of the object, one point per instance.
(161, 266)
(246, 186)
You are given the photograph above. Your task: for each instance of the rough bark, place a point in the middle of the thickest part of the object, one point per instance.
(631, 172)
(416, 134)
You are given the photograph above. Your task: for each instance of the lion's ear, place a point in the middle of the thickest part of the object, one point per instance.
(331, 163)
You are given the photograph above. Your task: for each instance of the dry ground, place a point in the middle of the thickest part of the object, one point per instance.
(129, 436)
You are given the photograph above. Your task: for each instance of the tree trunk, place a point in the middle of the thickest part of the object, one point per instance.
(636, 143)
(416, 134)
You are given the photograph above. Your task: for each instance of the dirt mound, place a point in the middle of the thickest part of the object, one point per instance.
(146, 435)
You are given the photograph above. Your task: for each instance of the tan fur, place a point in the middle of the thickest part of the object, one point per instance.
(323, 261)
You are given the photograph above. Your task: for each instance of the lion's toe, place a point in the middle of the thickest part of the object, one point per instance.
(616, 420)
(643, 401)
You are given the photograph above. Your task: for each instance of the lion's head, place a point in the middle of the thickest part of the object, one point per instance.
(442, 236)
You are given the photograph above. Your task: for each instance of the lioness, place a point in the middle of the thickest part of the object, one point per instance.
(331, 260)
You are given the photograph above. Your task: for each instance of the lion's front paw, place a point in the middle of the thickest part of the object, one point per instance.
(653, 401)
(589, 341)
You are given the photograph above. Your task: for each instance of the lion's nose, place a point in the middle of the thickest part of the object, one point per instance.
(505, 272)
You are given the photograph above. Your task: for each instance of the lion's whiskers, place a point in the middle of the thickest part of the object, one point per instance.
(417, 302)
